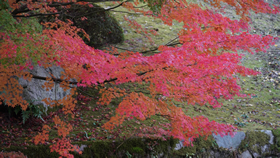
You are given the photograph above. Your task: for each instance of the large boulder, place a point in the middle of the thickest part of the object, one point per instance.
(229, 142)
(34, 92)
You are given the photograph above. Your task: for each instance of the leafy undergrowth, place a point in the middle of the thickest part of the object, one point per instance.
(89, 117)
(258, 111)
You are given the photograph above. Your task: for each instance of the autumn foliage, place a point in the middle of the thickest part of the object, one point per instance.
(200, 71)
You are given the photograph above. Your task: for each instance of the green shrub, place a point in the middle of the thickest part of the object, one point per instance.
(31, 111)
(102, 28)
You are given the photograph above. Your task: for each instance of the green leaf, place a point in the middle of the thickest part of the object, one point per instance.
(25, 116)
(17, 109)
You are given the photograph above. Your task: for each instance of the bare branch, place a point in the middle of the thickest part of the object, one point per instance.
(54, 79)
(128, 12)
(141, 6)
(116, 6)
(32, 15)
(155, 49)
(24, 8)
(102, 10)
(172, 40)
(124, 49)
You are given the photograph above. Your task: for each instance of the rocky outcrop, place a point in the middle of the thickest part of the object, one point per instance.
(34, 92)
(229, 142)
(252, 144)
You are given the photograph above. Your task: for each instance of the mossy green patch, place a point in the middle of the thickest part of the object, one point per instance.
(34, 151)
(251, 139)
(141, 41)
(276, 133)
(200, 145)
(254, 112)
(133, 146)
(105, 148)
(17, 32)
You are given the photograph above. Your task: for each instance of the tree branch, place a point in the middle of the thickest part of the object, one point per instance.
(57, 80)
(141, 6)
(154, 49)
(27, 16)
(98, 1)
(100, 10)
(172, 40)
(165, 116)
(116, 6)
(54, 79)
(128, 12)
(73, 82)
(124, 49)
(24, 8)
(56, 4)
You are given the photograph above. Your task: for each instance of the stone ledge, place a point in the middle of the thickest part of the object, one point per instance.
(252, 144)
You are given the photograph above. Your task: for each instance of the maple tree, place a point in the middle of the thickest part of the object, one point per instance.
(199, 71)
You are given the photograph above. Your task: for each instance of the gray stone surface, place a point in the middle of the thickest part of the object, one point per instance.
(81, 148)
(269, 132)
(246, 154)
(229, 142)
(256, 155)
(265, 150)
(179, 145)
(33, 91)
(212, 154)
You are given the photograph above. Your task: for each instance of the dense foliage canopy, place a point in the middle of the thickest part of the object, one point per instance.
(199, 71)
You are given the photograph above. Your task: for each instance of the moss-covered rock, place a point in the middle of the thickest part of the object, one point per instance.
(276, 133)
(136, 147)
(253, 141)
(200, 145)
(32, 151)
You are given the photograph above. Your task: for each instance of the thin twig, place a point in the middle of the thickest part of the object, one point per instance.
(124, 49)
(27, 16)
(128, 12)
(172, 40)
(141, 6)
(101, 10)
